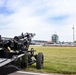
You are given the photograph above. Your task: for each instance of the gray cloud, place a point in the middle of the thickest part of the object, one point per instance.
(32, 16)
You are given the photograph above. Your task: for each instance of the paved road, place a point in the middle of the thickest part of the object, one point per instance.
(31, 73)
(26, 73)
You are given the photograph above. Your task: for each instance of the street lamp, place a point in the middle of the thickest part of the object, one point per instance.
(73, 33)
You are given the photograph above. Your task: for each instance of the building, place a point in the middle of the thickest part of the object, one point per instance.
(55, 38)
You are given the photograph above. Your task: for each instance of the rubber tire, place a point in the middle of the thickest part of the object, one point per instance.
(24, 64)
(39, 61)
(11, 68)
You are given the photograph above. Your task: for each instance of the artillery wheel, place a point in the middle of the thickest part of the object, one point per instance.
(39, 61)
(10, 69)
(24, 64)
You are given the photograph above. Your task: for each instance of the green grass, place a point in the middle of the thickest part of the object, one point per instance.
(57, 60)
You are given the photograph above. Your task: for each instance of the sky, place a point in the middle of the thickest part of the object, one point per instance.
(42, 17)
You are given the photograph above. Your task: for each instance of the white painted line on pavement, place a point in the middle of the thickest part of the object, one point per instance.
(32, 73)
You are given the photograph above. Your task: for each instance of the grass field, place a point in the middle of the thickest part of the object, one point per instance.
(57, 60)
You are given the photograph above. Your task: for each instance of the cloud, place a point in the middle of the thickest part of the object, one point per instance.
(43, 17)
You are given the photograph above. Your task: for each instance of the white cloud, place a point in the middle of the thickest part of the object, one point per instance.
(33, 15)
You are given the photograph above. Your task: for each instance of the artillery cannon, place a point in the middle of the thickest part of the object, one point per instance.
(14, 51)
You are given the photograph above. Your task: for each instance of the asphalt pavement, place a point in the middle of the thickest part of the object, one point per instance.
(32, 73)
(27, 73)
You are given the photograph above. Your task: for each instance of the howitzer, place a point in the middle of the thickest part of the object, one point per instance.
(16, 51)
(18, 43)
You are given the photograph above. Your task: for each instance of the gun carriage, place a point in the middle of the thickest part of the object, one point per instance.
(14, 53)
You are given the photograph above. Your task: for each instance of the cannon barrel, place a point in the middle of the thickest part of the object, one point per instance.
(26, 35)
(23, 39)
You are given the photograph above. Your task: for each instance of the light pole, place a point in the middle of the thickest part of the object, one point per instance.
(73, 33)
